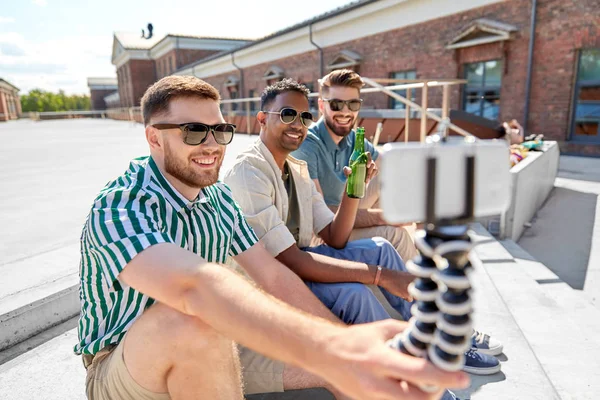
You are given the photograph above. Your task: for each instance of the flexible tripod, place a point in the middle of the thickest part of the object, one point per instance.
(440, 328)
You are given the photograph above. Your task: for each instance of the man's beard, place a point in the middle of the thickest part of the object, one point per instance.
(178, 169)
(338, 130)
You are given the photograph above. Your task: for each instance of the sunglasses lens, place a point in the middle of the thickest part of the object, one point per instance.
(288, 115)
(335, 105)
(307, 118)
(224, 133)
(354, 105)
(196, 134)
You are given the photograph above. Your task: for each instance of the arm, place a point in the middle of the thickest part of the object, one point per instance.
(320, 268)
(280, 282)
(365, 218)
(337, 233)
(356, 360)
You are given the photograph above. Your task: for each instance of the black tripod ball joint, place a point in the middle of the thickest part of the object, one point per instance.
(441, 326)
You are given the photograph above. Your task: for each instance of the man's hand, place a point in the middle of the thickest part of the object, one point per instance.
(396, 282)
(372, 169)
(361, 365)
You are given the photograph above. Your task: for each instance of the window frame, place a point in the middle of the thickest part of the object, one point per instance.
(392, 101)
(577, 85)
(482, 88)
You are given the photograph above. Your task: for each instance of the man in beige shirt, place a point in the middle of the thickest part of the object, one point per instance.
(285, 210)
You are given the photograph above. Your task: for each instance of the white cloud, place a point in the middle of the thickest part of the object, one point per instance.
(42, 3)
(55, 64)
(6, 20)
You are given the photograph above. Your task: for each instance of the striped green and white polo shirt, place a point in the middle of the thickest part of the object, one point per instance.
(133, 212)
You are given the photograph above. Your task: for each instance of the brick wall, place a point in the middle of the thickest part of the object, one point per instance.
(177, 58)
(564, 27)
(10, 105)
(3, 107)
(97, 98)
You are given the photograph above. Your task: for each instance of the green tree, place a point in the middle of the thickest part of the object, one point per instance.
(39, 100)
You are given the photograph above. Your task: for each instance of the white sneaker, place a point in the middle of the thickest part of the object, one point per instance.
(486, 344)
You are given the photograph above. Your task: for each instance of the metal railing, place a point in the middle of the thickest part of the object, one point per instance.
(376, 86)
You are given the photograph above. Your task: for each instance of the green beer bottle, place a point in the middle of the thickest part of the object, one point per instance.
(355, 187)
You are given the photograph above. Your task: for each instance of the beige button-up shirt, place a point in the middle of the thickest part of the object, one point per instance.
(255, 180)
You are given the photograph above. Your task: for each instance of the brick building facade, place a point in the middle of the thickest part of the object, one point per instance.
(487, 42)
(140, 62)
(10, 104)
(99, 89)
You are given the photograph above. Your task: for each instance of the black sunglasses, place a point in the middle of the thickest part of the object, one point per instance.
(338, 105)
(195, 133)
(289, 115)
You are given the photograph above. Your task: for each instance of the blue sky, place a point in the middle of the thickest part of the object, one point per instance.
(57, 44)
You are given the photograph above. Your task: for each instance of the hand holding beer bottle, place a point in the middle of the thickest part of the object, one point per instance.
(356, 185)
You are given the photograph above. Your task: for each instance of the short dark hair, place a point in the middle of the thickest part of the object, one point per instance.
(285, 85)
(157, 98)
(340, 77)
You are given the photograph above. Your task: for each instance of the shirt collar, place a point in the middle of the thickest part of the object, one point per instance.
(324, 135)
(176, 199)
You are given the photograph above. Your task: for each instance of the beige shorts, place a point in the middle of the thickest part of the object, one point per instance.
(108, 378)
(260, 374)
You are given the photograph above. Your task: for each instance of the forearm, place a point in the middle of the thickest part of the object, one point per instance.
(365, 218)
(343, 222)
(286, 286)
(244, 313)
(319, 268)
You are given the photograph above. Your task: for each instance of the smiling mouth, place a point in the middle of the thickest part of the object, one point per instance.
(206, 161)
(343, 121)
(296, 136)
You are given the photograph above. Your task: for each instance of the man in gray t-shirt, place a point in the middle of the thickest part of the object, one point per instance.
(327, 150)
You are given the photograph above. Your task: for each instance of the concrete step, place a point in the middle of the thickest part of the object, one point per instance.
(44, 367)
(38, 292)
(559, 326)
(540, 359)
(522, 375)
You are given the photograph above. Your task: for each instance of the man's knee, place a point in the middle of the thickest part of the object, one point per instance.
(172, 328)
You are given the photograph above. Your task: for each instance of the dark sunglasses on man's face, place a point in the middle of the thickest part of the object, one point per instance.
(289, 115)
(338, 105)
(195, 133)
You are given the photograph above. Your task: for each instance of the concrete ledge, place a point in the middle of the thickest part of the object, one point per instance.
(32, 311)
(532, 180)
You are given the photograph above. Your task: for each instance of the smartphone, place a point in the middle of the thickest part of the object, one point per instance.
(403, 179)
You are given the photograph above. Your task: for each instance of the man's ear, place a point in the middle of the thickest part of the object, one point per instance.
(153, 137)
(321, 105)
(262, 118)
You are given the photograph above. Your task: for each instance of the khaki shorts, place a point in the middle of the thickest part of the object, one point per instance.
(108, 378)
(260, 374)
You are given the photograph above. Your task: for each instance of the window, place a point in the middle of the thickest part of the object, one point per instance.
(171, 67)
(312, 101)
(398, 105)
(586, 119)
(252, 93)
(233, 94)
(482, 92)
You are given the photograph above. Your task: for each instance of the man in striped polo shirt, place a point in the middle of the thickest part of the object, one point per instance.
(159, 312)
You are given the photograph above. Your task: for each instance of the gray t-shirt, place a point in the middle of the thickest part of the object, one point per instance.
(293, 218)
(326, 160)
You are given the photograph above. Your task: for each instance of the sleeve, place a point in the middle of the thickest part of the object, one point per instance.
(244, 236)
(252, 191)
(322, 215)
(370, 148)
(121, 224)
(308, 153)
